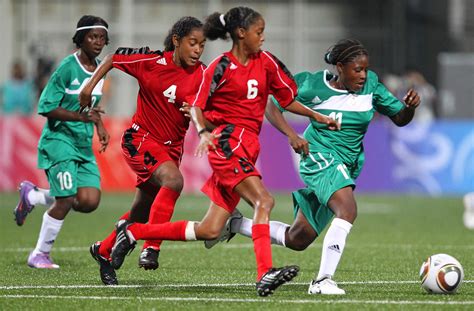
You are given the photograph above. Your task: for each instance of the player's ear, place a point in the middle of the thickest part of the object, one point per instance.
(339, 68)
(175, 40)
(241, 32)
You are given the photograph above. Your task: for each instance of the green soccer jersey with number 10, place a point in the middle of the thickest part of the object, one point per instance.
(62, 91)
(354, 111)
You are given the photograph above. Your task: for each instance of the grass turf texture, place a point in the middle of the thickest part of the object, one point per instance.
(379, 269)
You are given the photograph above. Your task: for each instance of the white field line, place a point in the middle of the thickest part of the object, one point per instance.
(19, 287)
(198, 244)
(248, 300)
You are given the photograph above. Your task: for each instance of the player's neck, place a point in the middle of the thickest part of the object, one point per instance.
(240, 54)
(88, 62)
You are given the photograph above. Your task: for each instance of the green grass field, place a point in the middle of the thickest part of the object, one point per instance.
(379, 270)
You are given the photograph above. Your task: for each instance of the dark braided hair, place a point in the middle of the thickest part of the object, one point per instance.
(181, 28)
(88, 20)
(238, 17)
(345, 51)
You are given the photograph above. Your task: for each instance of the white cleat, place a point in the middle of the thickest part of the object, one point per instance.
(325, 286)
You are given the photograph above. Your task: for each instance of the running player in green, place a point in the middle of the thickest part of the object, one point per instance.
(333, 159)
(65, 146)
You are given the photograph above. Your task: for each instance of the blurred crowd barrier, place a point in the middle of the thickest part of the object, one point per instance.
(431, 158)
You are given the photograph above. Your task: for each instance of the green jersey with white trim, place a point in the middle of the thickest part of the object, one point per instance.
(62, 91)
(354, 111)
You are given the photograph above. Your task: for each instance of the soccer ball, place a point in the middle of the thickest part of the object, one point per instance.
(441, 274)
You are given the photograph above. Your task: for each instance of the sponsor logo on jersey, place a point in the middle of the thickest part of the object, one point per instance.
(161, 61)
(316, 100)
(233, 66)
(75, 82)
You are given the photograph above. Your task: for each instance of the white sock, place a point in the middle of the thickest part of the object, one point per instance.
(333, 246)
(277, 230)
(48, 233)
(189, 232)
(40, 196)
(245, 227)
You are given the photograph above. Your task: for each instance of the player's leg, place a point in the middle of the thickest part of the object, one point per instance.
(170, 180)
(252, 190)
(62, 179)
(344, 206)
(30, 195)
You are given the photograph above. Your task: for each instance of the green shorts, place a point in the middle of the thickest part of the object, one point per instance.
(317, 215)
(324, 174)
(67, 166)
(65, 177)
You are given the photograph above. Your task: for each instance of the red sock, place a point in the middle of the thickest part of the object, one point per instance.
(161, 211)
(106, 245)
(172, 231)
(262, 248)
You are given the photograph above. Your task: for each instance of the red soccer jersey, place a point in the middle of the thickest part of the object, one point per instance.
(240, 93)
(164, 86)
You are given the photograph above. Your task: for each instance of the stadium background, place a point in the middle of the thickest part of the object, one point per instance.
(433, 156)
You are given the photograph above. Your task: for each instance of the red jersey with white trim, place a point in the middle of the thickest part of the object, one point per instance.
(238, 93)
(164, 87)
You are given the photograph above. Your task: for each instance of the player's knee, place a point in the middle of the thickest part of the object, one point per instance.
(265, 203)
(296, 243)
(174, 181)
(348, 215)
(87, 205)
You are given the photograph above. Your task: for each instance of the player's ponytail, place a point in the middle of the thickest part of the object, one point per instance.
(345, 51)
(217, 25)
(181, 28)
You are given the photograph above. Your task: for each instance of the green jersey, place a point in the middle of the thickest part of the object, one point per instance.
(62, 90)
(354, 111)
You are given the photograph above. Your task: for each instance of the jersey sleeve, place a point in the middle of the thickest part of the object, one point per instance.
(300, 79)
(131, 60)
(210, 80)
(384, 101)
(282, 85)
(54, 91)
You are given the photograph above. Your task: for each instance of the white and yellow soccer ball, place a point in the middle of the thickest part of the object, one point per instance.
(441, 274)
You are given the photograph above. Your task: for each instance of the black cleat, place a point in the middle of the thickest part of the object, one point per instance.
(107, 273)
(149, 259)
(123, 246)
(274, 278)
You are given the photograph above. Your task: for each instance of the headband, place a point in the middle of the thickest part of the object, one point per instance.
(221, 18)
(92, 27)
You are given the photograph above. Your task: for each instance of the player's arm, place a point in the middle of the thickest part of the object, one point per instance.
(205, 135)
(85, 95)
(412, 101)
(300, 109)
(62, 114)
(275, 117)
(103, 135)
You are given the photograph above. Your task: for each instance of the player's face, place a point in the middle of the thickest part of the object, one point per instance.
(189, 48)
(354, 74)
(254, 36)
(94, 42)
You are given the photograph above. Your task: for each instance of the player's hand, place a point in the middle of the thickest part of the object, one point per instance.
(104, 137)
(412, 99)
(299, 145)
(206, 143)
(332, 124)
(84, 100)
(186, 109)
(93, 115)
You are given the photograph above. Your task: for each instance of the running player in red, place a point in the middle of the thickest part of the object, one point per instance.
(233, 95)
(153, 145)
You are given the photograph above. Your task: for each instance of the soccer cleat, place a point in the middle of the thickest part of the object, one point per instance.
(149, 259)
(274, 278)
(24, 207)
(41, 261)
(227, 233)
(123, 246)
(325, 286)
(107, 273)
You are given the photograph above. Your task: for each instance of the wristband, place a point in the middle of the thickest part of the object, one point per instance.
(202, 131)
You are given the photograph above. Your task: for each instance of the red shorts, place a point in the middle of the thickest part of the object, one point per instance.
(233, 161)
(145, 154)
